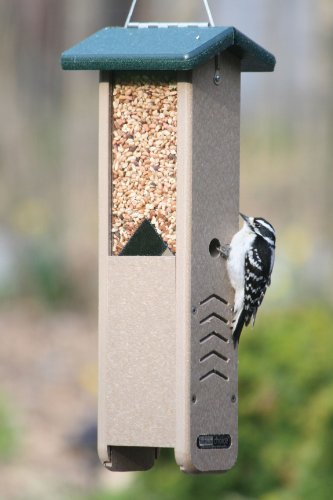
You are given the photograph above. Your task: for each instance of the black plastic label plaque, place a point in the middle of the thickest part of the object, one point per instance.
(211, 441)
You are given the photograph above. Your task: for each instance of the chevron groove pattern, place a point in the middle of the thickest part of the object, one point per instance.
(213, 372)
(211, 316)
(211, 335)
(213, 296)
(215, 355)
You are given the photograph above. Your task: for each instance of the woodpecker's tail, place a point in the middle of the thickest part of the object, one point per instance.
(237, 330)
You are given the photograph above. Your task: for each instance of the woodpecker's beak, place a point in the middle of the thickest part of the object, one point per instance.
(245, 217)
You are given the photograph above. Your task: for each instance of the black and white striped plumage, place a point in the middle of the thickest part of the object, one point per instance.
(250, 261)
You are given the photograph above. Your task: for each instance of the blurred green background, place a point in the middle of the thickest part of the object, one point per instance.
(48, 259)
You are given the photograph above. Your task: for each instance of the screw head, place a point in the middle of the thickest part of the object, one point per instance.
(233, 398)
(217, 78)
(194, 310)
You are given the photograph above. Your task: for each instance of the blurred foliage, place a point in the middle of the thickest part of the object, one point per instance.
(40, 272)
(47, 277)
(285, 419)
(8, 433)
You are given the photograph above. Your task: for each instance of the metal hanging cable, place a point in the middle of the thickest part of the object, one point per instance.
(205, 2)
(209, 14)
(130, 13)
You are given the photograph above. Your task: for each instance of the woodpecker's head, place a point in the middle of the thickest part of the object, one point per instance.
(260, 227)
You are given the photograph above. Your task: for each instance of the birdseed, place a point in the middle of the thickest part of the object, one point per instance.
(144, 155)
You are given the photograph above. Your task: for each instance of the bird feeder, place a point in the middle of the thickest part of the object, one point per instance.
(169, 141)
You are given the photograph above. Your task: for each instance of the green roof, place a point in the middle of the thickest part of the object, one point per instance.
(164, 48)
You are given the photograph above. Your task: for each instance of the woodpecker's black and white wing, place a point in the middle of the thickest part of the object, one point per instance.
(259, 261)
(258, 267)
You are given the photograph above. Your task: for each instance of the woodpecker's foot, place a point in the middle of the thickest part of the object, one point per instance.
(224, 251)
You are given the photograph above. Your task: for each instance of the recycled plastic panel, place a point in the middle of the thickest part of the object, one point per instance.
(174, 48)
(139, 345)
(136, 407)
(208, 150)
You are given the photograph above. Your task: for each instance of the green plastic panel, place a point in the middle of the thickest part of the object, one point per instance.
(163, 48)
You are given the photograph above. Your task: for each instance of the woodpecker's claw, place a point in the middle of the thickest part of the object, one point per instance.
(224, 251)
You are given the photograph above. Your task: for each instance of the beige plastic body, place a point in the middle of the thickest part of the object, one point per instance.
(208, 200)
(167, 366)
(137, 378)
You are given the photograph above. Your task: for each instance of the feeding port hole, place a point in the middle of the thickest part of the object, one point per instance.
(214, 247)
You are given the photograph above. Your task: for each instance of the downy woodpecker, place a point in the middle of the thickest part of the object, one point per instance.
(250, 261)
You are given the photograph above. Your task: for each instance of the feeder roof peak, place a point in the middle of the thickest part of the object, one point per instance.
(164, 48)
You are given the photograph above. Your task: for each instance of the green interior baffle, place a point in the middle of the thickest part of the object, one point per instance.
(164, 48)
